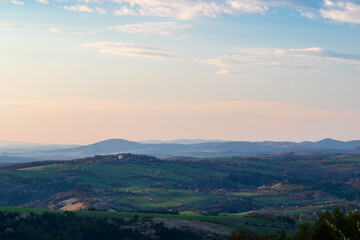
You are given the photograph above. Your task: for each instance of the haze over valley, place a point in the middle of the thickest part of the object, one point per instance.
(175, 148)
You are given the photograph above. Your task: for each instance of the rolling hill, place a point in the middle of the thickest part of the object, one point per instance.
(262, 193)
(206, 149)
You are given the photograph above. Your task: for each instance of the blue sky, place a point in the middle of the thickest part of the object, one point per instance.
(81, 71)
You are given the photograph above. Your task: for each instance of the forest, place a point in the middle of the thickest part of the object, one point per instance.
(331, 225)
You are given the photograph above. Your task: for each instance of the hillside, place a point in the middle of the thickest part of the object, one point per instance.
(222, 191)
(211, 185)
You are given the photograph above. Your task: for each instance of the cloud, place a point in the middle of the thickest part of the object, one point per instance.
(152, 28)
(216, 61)
(17, 2)
(335, 10)
(310, 15)
(132, 50)
(321, 53)
(247, 6)
(228, 73)
(182, 9)
(188, 9)
(85, 8)
(56, 30)
(13, 2)
(43, 1)
(312, 59)
(72, 31)
(223, 72)
(100, 10)
(91, 1)
(341, 11)
(9, 25)
(79, 8)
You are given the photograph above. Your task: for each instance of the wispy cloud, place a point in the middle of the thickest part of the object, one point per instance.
(17, 2)
(152, 28)
(132, 50)
(308, 14)
(311, 59)
(9, 25)
(100, 10)
(188, 9)
(182, 9)
(79, 8)
(322, 53)
(56, 30)
(336, 10)
(341, 11)
(85, 8)
(223, 72)
(43, 1)
(71, 31)
(228, 73)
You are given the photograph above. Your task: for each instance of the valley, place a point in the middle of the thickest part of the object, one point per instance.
(263, 193)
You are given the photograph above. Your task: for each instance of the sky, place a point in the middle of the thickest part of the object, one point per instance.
(81, 71)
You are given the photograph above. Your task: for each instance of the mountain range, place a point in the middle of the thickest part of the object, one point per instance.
(216, 148)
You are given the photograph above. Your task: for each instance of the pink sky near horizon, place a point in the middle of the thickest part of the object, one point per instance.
(84, 121)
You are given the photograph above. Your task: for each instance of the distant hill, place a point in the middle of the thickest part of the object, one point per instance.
(329, 143)
(205, 149)
(182, 141)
